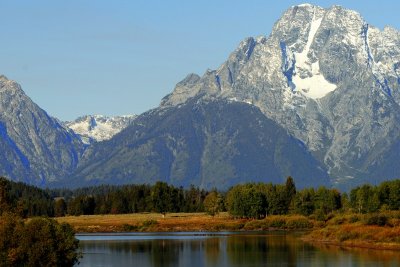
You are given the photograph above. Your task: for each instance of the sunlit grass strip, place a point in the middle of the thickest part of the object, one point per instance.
(379, 230)
(358, 235)
(140, 222)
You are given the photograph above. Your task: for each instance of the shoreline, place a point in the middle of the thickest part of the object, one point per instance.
(153, 222)
(347, 235)
(183, 222)
(353, 244)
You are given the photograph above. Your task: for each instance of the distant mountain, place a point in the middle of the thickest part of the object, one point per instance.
(93, 128)
(35, 147)
(205, 143)
(326, 76)
(317, 99)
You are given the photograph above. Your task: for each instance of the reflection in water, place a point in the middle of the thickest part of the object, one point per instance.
(223, 249)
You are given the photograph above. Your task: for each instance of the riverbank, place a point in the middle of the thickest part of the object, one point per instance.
(357, 235)
(373, 231)
(182, 222)
(376, 231)
(153, 222)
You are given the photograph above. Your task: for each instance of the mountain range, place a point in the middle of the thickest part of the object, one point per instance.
(317, 99)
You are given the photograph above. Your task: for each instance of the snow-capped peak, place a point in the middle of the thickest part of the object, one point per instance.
(98, 127)
(305, 5)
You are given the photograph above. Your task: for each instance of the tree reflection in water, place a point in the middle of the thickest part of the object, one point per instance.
(223, 250)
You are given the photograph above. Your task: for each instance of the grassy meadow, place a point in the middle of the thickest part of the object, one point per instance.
(153, 222)
(378, 231)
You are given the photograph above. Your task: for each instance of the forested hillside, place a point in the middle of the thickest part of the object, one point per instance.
(24, 200)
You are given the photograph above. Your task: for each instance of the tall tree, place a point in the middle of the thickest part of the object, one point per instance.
(290, 188)
(60, 207)
(161, 198)
(213, 203)
(304, 202)
(246, 201)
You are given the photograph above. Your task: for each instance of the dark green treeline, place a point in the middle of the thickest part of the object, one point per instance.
(251, 200)
(260, 200)
(159, 197)
(24, 200)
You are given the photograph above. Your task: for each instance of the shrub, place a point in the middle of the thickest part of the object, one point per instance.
(276, 222)
(236, 226)
(38, 242)
(338, 220)
(129, 228)
(256, 225)
(377, 219)
(298, 223)
(354, 219)
(320, 215)
(213, 203)
(319, 224)
(149, 223)
(347, 235)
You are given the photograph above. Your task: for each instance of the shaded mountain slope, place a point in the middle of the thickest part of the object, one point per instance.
(204, 143)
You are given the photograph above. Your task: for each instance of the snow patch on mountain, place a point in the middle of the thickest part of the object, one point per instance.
(98, 127)
(314, 84)
(305, 5)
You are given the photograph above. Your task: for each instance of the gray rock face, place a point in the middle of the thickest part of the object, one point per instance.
(329, 78)
(35, 147)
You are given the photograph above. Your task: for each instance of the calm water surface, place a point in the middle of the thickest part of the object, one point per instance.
(222, 250)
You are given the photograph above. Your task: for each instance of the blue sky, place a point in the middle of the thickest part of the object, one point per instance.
(116, 57)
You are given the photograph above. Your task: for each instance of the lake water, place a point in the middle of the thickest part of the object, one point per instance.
(222, 250)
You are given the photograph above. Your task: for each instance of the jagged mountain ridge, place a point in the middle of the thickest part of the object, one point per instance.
(325, 75)
(209, 144)
(35, 147)
(95, 128)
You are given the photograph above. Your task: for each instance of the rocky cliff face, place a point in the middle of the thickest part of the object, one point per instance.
(35, 147)
(328, 77)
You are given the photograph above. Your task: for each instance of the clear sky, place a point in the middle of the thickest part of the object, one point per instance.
(117, 57)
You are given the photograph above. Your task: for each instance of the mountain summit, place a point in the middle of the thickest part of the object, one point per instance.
(329, 78)
(318, 99)
(35, 147)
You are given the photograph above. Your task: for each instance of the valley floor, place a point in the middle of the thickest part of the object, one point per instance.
(153, 222)
(350, 230)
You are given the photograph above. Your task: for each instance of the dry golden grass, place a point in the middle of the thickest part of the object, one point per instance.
(153, 222)
(286, 222)
(147, 222)
(358, 235)
(343, 230)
